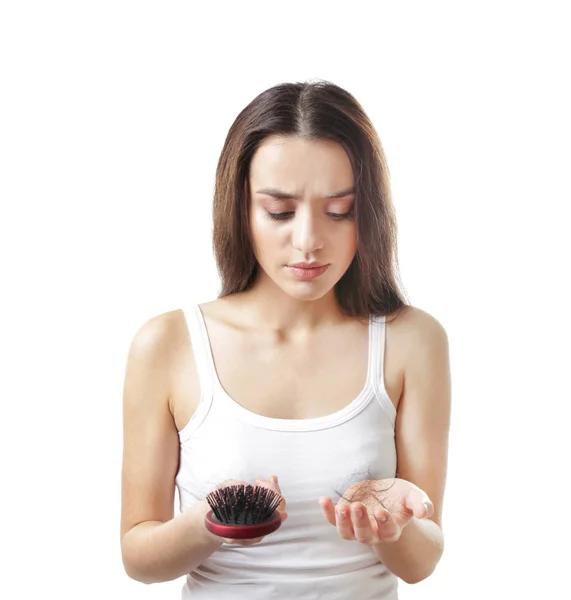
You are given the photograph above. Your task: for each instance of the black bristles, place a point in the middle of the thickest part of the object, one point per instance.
(243, 504)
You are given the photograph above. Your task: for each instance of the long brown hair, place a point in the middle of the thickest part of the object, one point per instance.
(313, 111)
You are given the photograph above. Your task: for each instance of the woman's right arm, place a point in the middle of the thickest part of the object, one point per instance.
(155, 545)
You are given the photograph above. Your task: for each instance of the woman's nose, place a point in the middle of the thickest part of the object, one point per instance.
(307, 236)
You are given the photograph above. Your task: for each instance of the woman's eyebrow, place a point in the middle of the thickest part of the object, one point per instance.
(279, 195)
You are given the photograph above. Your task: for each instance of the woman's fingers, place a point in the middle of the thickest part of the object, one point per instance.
(328, 509)
(387, 528)
(419, 504)
(365, 528)
(274, 485)
(243, 542)
(339, 516)
(344, 522)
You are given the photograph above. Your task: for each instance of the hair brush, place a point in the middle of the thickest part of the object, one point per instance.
(243, 511)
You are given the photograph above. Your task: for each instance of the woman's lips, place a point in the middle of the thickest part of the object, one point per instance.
(308, 273)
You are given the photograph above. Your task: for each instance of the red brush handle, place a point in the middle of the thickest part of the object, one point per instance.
(242, 532)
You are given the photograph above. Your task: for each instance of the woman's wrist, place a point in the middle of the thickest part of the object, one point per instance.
(197, 526)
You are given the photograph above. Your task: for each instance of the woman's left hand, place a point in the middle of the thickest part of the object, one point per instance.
(403, 501)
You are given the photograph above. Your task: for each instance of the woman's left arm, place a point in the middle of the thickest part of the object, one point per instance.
(421, 437)
(414, 556)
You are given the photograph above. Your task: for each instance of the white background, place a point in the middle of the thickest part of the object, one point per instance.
(112, 118)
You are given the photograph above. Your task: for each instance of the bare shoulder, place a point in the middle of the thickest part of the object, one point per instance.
(157, 338)
(157, 344)
(158, 330)
(418, 340)
(418, 327)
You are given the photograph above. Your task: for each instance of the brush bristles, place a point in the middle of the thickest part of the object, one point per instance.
(243, 504)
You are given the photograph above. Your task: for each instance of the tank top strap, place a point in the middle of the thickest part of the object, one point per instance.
(200, 348)
(377, 361)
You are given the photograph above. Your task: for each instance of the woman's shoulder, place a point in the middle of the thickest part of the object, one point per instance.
(415, 320)
(417, 328)
(161, 335)
(157, 329)
(169, 324)
(169, 332)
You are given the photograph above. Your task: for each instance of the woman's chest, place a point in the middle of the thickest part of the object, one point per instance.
(305, 381)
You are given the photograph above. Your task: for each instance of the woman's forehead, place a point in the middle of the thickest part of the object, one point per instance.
(293, 169)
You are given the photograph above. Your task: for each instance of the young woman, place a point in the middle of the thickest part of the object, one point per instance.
(309, 375)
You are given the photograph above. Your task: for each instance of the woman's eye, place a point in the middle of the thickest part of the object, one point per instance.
(278, 216)
(286, 215)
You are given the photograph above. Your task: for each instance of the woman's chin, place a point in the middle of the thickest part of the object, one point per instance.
(305, 290)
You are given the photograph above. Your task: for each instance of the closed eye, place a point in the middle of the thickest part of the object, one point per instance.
(287, 215)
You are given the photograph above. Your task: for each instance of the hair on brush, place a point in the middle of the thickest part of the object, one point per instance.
(243, 511)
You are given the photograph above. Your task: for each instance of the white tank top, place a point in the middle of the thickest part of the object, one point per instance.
(305, 558)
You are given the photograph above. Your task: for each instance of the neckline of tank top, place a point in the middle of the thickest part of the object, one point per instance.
(364, 397)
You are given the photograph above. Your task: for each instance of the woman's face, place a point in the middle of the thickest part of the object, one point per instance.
(302, 223)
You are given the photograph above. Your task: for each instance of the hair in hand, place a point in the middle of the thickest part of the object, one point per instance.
(370, 487)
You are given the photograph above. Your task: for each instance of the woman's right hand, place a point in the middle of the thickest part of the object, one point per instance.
(272, 484)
